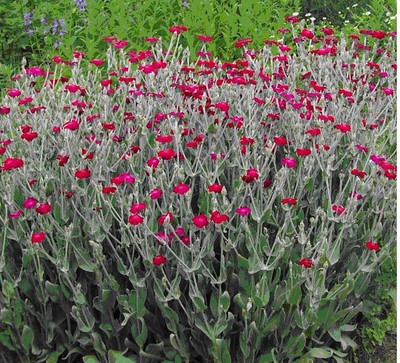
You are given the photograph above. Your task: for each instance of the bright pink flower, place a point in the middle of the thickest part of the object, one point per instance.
(72, 88)
(78, 54)
(354, 194)
(25, 128)
(165, 218)
(307, 33)
(223, 106)
(97, 62)
(43, 208)
(218, 218)
(151, 39)
(377, 34)
(83, 173)
(165, 139)
(386, 165)
(377, 159)
(135, 219)
(185, 240)
(14, 92)
(243, 211)
(372, 246)
(291, 201)
(156, 193)
(15, 214)
(35, 71)
(159, 260)
(123, 178)
(4, 110)
(106, 82)
(108, 126)
(128, 178)
(359, 173)
(280, 140)
(313, 132)
(120, 44)
(291, 19)
(251, 175)
(303, 152)
(215, 188)
(192, 144)
(108, 190)
(29, 136)
(200, 221)
(362, 148)
(178, 29)
(343, 127)
(38, 237)
(289, 162)
(72, 125)
(388, 91)
(180, 231)
(307, 263)
(204, 38)
(137, 207)
(388, 174)
(181, 188)
(29, 203)
(167, 154)
(62, 159)
(338, 209)
(153, 162)
(12, 163)
(242, 42)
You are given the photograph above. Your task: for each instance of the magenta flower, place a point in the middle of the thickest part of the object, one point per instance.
(156, 193)
(159, 260)
(289, 162)
(223, 106)
(12, 163)
(215, 188)
(200, 221)
(338, 209)
(181, 188)
(38, 237)
(15, 214)
(372, 246)
(137, 207)
(14, 92)
(165, 218)
(243, 211)
(135, 219)
(43, 208)
(306, 262)
(29, 203)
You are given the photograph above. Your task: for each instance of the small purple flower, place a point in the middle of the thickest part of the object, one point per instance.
(54, 27)
(81, 5)
(28, 18)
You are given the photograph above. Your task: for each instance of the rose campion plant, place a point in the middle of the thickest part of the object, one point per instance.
(219, 211)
